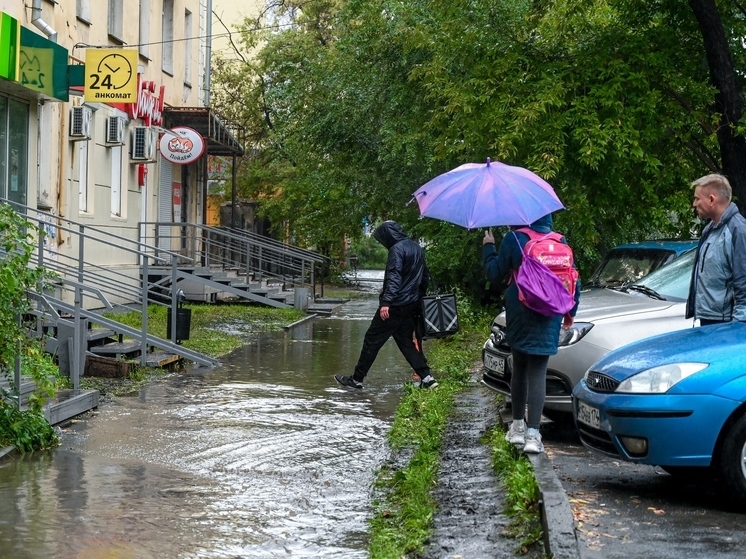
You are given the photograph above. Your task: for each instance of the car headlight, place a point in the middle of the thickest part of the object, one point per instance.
(575, 333)
(659, 380)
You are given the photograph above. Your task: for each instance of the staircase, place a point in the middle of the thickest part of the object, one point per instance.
(104, 271)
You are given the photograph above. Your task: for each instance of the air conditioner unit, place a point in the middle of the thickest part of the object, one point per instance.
(115, 126)
(144, 144)
(80, 123)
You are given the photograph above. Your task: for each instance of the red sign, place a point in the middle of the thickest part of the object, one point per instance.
(148, 106)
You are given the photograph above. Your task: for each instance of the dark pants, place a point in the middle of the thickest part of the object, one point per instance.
(401, 325)
(708, 322)
(528, 386)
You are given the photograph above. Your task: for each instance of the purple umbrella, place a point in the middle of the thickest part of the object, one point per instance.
(486, 195)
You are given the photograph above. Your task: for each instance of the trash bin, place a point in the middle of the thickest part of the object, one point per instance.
(183, 324)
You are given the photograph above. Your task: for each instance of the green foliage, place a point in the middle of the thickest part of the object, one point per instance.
(26, 430)
(403, 515)
(371, 254)
(363, 101)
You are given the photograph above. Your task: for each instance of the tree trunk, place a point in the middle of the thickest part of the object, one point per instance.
(729, 99)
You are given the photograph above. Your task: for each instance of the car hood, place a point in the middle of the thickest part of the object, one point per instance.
(719, 344)
(601, 304)
(608, 303)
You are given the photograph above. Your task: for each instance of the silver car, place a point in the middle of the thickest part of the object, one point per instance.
(606, 319)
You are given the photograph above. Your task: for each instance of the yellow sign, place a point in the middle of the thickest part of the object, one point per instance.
(110, 76)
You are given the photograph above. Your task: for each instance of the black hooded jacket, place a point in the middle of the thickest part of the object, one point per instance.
(407, 277)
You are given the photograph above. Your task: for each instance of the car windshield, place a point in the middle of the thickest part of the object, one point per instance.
(623, 265)
(671, 280)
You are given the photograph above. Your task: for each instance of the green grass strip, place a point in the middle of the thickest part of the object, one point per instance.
(403, 515)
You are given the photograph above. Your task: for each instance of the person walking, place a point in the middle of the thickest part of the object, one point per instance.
(405, 282)
(717, 290)
(532, 336)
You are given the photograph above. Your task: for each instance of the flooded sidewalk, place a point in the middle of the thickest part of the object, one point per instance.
(263, 456)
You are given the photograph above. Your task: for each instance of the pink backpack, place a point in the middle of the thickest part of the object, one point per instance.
(547, 279)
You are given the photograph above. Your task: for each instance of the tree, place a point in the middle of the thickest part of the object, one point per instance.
(728, 105)
(609, 100)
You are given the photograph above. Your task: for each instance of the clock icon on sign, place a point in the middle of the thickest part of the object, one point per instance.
(115, 71)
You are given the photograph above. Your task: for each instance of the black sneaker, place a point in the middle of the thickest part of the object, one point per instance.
(428, 382)
(348, 381)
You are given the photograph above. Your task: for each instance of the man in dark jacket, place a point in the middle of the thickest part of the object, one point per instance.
(404, 284)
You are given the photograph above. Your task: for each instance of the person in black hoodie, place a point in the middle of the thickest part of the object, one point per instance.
(404, 284)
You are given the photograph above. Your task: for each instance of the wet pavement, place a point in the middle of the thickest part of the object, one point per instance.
(263, 456)
(627, 510)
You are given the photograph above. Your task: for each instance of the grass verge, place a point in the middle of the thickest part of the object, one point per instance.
(404, 507)
(403, 513)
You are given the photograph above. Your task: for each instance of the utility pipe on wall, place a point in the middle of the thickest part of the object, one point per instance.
(40, 23)
(208, 53)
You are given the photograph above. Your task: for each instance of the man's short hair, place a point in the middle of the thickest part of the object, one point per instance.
(718, 183)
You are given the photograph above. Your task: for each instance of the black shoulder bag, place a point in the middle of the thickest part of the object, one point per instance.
(438, 315)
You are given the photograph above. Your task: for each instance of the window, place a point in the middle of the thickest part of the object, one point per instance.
(168, 36)
(14, 120)
(80, 173)
(83, 10)
(144, 28)
(188, 48)
(116, 181)
(116, 17)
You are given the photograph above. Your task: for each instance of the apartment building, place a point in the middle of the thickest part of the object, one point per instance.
(103, 116)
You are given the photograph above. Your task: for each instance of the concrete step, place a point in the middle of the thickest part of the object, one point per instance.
(69, 403)
(128, 349)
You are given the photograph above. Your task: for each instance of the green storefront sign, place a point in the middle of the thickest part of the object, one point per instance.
(32, 61)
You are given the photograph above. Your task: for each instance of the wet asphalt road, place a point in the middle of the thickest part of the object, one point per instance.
(623, 510)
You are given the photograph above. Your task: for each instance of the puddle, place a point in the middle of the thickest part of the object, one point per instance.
(263, 456)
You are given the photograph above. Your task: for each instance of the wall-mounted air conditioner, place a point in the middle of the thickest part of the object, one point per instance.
(115, 127)
(144, 144)
(80, 123)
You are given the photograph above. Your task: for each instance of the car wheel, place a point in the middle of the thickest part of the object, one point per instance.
(732, 461)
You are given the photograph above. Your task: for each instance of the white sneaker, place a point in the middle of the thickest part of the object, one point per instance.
(517, 432)
(533, 442)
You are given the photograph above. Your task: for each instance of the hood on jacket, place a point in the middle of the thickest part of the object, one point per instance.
(389, 233)
(543, 224)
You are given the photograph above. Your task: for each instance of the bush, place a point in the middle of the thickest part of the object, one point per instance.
(25, 430)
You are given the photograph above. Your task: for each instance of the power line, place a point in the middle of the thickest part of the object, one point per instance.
(214, 35)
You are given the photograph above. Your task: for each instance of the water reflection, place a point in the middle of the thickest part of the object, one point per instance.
(262, 457)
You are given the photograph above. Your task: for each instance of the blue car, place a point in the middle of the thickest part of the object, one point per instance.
(677, 401)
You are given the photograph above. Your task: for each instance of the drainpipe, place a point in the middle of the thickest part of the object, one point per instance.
(208, 53)
(40, 23)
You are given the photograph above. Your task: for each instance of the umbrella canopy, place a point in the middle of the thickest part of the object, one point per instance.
(487, 195)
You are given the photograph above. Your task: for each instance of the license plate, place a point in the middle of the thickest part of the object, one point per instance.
(589, 415)
(494, 363)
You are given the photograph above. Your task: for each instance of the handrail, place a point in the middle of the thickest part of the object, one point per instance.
(114, 255)
(245, 251)
(143, 246)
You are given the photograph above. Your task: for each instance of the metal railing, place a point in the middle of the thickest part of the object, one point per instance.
(98, 269)
(250, 254)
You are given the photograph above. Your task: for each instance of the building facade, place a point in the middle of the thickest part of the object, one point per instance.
(100, 161)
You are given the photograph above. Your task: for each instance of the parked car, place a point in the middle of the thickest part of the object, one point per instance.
(606, 319)
(677, 401)
(624, 264)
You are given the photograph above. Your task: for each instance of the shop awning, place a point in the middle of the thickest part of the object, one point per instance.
(221, 138)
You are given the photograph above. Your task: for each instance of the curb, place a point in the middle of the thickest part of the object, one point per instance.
(301, 321)
(7, 451)
(560, 539)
